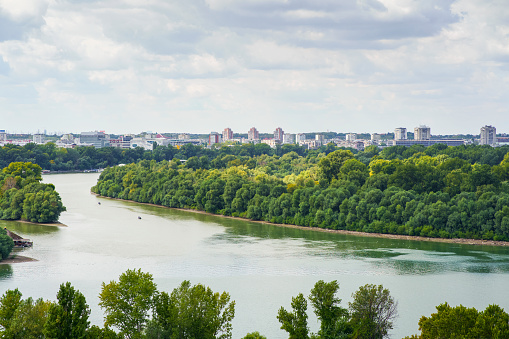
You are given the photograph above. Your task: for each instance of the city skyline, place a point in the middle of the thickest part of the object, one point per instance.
(360, 66)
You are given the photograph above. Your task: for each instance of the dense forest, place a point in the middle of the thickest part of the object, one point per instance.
(50, 157)
(134, 308)
(439, 191)
(23, 196)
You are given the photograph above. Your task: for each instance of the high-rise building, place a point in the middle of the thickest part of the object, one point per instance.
(214, 138)
(227, 134)
(400, 133)
(301, 137)
(252, 134)
(488, 135)
(375, 138)
(96, 139)
(38, 138)
(3, 136)
(279, 135)
(351, 137)
(289, 138)
(319, 139)
(422, 133)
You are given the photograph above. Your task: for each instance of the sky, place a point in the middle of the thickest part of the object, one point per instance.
(364, 66)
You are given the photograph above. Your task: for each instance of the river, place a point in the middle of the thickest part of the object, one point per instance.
(261, 266)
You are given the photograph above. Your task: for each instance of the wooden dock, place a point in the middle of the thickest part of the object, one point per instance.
(19, 242)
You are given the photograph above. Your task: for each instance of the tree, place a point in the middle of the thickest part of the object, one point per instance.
(127, 302)
(192, 312)
(28, 319)
(254, 335)
(463, 322)
(6, 244)
(296, 322)
(69, 317)
(326, 307)
(8, 304)
(372, 312)
(330, 165)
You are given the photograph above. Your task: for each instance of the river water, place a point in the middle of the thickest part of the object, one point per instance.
(261, 266)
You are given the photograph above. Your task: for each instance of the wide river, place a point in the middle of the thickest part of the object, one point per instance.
(261, 266)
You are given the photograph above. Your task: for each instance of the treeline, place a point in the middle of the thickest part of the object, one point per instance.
(432, 196)
(50, 157)
(23, 196)
(134, 308)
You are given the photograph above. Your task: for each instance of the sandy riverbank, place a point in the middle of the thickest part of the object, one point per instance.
(57, 224)
(360, 234)
(16, 259)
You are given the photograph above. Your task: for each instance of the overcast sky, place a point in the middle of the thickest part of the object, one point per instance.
(203, 65)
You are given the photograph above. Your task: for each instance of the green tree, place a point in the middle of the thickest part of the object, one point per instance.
(254, 335)
(372, 312)
(465, 323)
(6, 244)
(332, 317)
(28, 320)
(68, 318)
(331, 164)
(192, 312)
(127, 302)
(295, 322)
(8, 304)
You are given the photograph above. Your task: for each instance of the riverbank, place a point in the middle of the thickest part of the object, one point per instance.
(57, 224)
(16, 259)
(477, 242)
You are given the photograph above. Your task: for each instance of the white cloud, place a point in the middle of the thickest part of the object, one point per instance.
(358, 64)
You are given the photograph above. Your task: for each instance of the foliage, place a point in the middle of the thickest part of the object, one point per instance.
(22, 318)
(372, 312)
(431, 194)
(326, 307)
(254, 335)
(6, 244)
(295, 322)
(22, 196)
(9, 302)
(69, 317)
(463, 322)
(127, 302)
(192, 312)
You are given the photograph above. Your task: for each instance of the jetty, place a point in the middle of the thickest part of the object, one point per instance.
(19, 242)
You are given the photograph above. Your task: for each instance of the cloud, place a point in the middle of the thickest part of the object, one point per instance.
(355, 64)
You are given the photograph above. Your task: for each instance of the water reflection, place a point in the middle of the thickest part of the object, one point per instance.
(5, 272)
(22, 228)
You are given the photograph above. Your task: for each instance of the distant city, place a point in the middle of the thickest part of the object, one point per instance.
(147, 140)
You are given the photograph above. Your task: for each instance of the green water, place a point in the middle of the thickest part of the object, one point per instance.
(261, 266)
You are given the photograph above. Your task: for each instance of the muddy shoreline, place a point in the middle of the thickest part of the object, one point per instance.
(360, 234)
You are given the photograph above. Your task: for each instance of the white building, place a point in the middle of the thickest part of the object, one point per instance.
(289, 138)
(400, 133)
(488, 135)
(320, 139)
(422, 133)
(375, 138)
(38, 138)
(350, 137)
